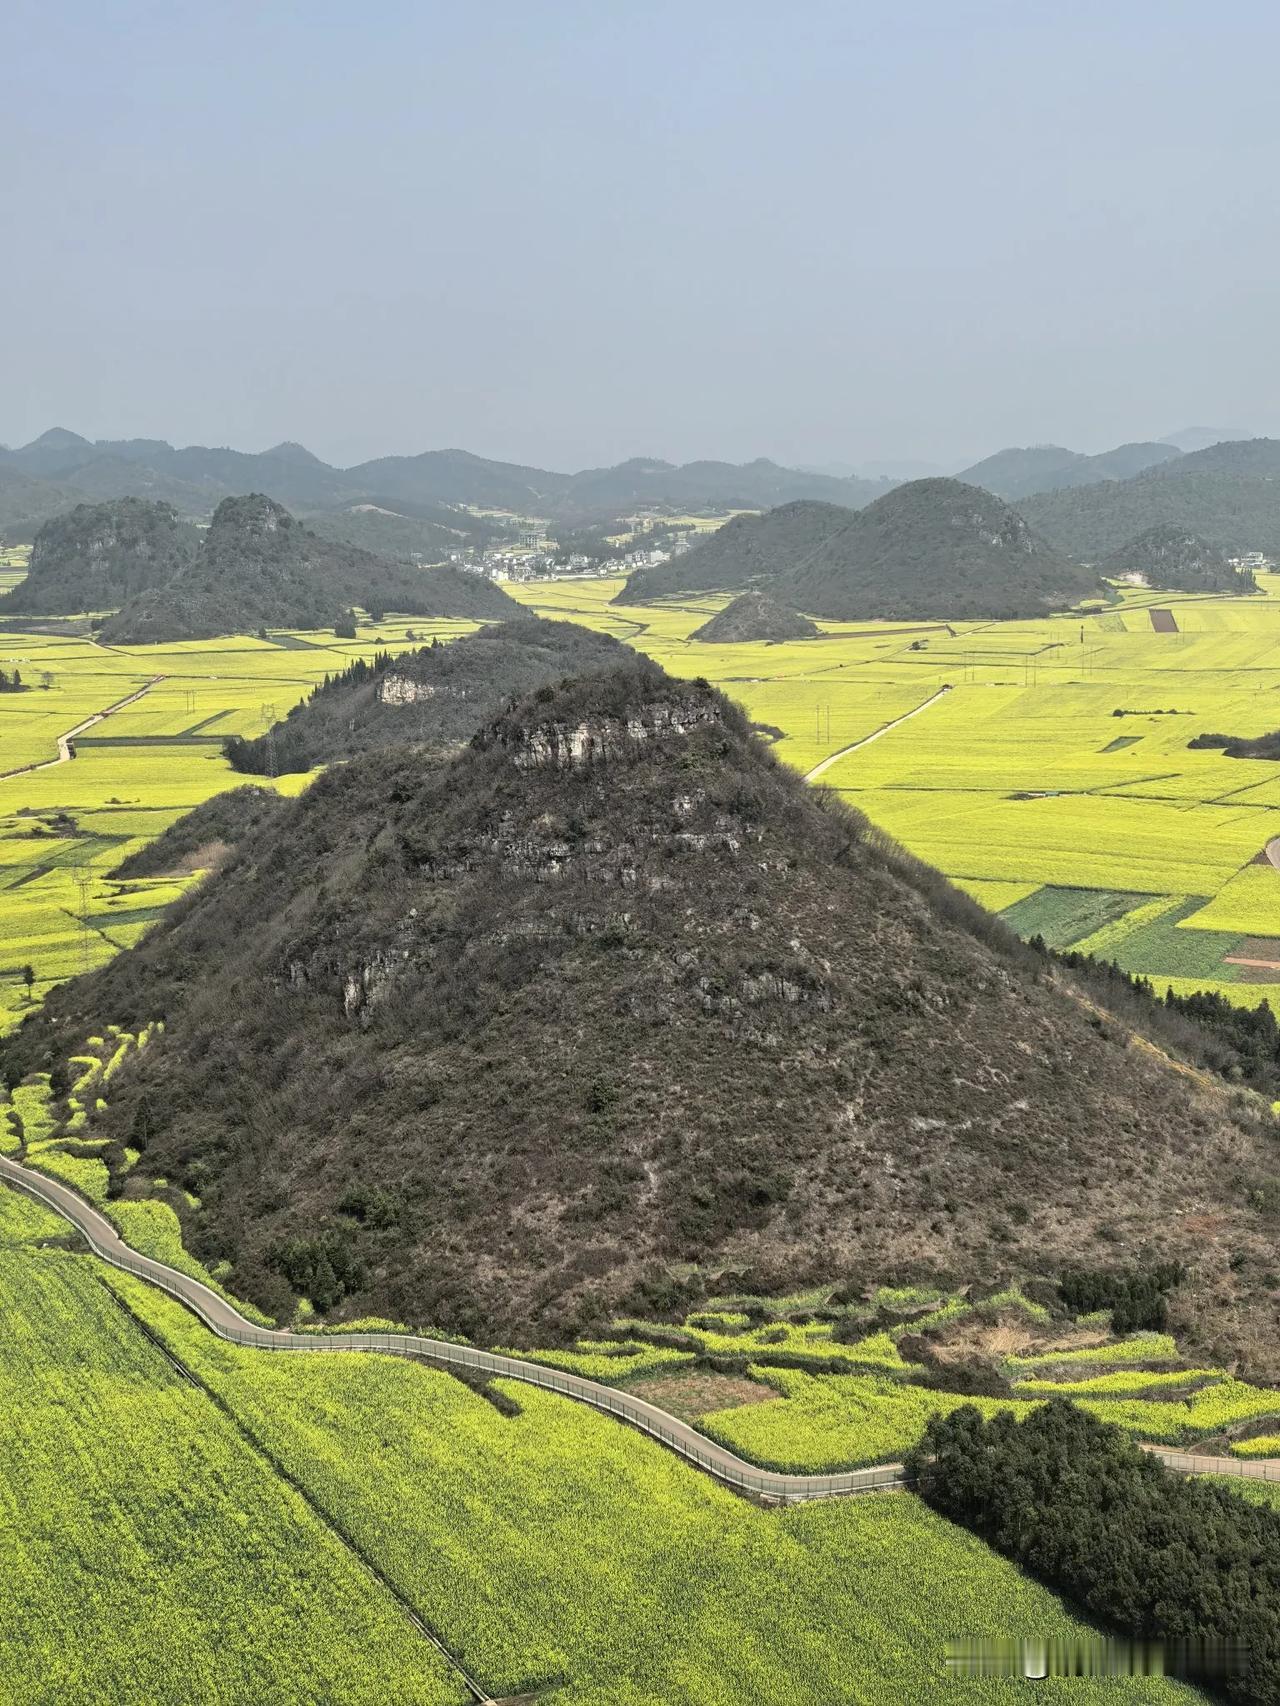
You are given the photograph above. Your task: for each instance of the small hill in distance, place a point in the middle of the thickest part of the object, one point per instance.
(1168, 556)
(99, 555)
(929, 549)
(935, 549)
(202, 839)
(434, 698)
(755, 616)
(259, 567)
(611, 991)
(749, 548)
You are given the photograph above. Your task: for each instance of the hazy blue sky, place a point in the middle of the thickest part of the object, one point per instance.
(566, 233)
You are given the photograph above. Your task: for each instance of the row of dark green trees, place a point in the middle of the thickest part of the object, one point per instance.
(1145, 1551)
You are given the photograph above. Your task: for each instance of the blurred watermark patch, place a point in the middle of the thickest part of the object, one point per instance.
(1034, 1659)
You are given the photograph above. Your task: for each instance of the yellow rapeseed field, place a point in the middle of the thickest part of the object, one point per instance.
(1053, 780)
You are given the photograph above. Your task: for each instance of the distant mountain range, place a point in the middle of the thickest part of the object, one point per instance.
(1200, 438)
(425, 506)
(1227, 494)
(61, 468)
(1014, 474)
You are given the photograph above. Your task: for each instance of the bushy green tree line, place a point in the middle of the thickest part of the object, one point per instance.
(1151, 1554)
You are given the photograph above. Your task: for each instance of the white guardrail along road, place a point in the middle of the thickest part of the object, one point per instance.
(223, 1319)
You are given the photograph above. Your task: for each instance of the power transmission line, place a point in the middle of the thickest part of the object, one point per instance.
(82, 876)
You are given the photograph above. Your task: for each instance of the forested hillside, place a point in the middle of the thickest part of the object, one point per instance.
(613, 990)
(928, 549)
(99, 555)
(936, 549)
(260, 567)
(202, 839)
(1014, 474)
(434, 698)
(1228, 495)
(1170, 557)
(750, 548)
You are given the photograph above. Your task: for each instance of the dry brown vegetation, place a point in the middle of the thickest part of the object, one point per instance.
(493, 1044)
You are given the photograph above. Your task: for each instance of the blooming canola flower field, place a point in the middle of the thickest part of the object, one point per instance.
(65, 826)
(1053, 779)
(339, 1498)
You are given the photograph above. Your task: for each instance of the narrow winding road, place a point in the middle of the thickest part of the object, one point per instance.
(224, 1320)
(819, 769)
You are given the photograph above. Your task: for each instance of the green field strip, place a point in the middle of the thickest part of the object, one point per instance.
(148, 740)
(29, 876)
(292, 643)
(1104, 942)
(1161, 948)
(1062, 916)
(205, 723)
(134, 915)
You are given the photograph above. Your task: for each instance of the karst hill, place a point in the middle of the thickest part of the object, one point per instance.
(98, 556)
(931, 549)
(754, 616)
(491, 1043)
(433, 697)
(258, 566)
(1178, 560)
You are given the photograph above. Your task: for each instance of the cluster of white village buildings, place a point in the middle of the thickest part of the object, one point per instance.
(534, 556)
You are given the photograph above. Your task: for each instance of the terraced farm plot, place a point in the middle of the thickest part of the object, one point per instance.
(826, 1422)
(1249, 903)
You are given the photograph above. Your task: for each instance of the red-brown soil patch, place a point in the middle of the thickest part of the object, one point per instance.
(1258, 958)
(699, 1392)
(1163, 621)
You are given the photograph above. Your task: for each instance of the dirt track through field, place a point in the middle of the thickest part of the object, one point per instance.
(820, 769)
(64, 740)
